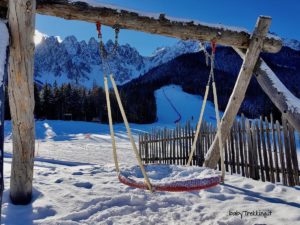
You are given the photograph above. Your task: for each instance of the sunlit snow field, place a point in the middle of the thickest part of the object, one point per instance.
(75, 181)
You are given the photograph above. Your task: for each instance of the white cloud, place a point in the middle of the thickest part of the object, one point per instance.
(38, 37)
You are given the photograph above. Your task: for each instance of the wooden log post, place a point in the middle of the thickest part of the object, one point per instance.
(21, 19)
(275, 90)
(238, 94)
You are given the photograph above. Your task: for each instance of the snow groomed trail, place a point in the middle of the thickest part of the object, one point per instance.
(173, 103)
(173, 107)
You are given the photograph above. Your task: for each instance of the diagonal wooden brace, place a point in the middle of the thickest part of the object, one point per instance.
(238, 94)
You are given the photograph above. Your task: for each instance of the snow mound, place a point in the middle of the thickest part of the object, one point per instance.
(162, 174)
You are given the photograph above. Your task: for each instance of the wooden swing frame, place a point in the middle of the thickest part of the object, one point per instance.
(21, 22)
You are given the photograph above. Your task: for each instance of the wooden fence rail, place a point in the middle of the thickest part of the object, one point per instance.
(258, 149)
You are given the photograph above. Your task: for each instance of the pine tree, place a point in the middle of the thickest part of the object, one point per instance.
(47, 102)
(37, 107)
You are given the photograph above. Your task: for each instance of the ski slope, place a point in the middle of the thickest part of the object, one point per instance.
(187, 105)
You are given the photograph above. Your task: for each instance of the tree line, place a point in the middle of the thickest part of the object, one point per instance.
(73, 102)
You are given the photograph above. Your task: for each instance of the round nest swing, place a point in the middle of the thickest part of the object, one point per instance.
(172, 178)
(161, 177)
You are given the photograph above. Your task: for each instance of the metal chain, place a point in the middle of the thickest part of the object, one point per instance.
(105, 56)
(211, 58)
(104, 52)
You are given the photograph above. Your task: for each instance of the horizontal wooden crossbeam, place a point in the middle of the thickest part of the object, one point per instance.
(151, 23)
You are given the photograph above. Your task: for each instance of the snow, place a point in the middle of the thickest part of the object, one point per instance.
(164, 174)
(187, 105)
(4, 38)
(95, 3)
(95, 76)
(75, 184)
(75, 181)
(292, 43)
(292, 101)
(39, 37)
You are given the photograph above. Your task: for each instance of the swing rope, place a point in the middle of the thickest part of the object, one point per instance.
(211, 78)
(105, 56)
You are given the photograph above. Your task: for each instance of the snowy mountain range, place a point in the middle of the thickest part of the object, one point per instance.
(292, 43)
(76, 61)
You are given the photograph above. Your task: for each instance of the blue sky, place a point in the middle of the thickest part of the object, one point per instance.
(241, 13)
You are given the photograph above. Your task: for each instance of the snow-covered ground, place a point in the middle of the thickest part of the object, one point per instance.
(75, 183)
(75, 180)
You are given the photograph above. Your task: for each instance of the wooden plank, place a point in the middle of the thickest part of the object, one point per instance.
(240, 134)
(185, 148)
(150, 23)
(232, 152)
(237, 147)
(201, 146)
(226, 156)
(150, 147)
(275, 150)
(170, 146)
(290, 176)
(165, 138)
(294, 156)
(190, 131)
(240, 87)
(174, 147)
(245, 147)
(158, 146)
(250, 149)
(163, 145)
(204, 138)
(281, 154)
(202, 143)
(177, 144)
(272, 177)
(21, 20)
(278, 94)
(198, 149)
(259, 149)
(254, 153)
(147, 149)
(153, 144)
(264, 147)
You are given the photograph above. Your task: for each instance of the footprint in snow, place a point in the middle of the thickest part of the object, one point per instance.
(216, 189)
(77, 173)
(86, 185)
(269, 187)
(248, 186)
(58, 181)
(220, 197)
(248, 198)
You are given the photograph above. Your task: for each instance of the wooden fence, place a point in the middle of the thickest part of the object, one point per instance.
(257, 149)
